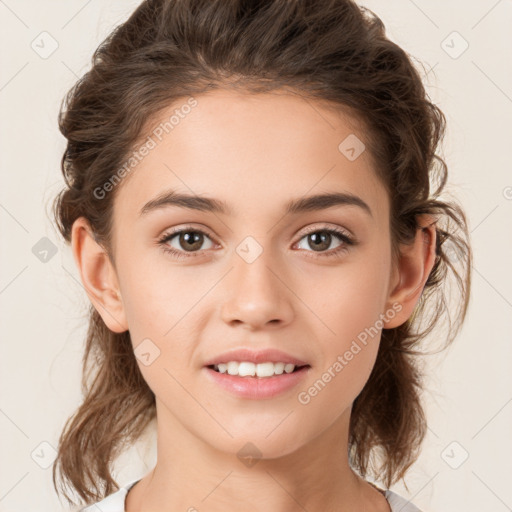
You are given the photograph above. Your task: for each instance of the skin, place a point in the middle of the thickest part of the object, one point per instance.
(255, 152)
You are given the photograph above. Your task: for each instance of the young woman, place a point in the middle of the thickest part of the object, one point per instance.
(252, 200)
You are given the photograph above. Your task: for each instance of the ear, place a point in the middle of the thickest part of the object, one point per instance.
(98, 276)
(412, 271)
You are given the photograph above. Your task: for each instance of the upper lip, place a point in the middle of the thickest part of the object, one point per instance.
(255, 356)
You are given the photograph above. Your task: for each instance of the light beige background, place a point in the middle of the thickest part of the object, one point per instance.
(42, 304)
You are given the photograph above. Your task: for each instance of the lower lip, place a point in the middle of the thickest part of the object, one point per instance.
(257, 388)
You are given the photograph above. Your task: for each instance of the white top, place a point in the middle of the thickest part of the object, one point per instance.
(115, 502)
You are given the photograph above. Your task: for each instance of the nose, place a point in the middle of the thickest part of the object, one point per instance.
(257, 293)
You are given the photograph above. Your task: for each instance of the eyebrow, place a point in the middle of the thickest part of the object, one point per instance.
(207, 204)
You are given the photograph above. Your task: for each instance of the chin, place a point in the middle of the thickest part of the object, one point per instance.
(260, 441)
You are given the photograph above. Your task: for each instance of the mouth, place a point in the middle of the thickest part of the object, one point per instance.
(262, 374)
(251, 370)
(262, 381)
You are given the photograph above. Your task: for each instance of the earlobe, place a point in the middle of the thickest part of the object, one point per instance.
(414, 267)
(98, 276)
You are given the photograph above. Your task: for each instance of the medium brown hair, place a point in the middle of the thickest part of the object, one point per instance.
(331, 51)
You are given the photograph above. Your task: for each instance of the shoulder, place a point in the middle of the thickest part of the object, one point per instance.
(397, 503)
(113, 502)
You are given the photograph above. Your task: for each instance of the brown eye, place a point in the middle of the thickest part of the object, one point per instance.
(190, 240)
(321, 240)
(181, 242)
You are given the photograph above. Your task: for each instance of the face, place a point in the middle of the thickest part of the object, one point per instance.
(199, 281)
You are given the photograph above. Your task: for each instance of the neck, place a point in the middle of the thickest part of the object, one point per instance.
(192, 475)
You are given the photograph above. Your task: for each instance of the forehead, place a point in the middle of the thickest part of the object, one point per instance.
(255, 152)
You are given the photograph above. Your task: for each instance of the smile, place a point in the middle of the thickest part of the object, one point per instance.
(248, 369)
(245, 382)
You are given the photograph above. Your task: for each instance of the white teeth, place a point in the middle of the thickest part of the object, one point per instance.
(265, 369)
(278, 368)
(233, 368)
(288, 368)
(245, 369)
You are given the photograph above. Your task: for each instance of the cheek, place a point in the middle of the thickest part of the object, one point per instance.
(346, 358)
(157, 295)
(347, 302)
(158, 309)
(349, 310)
(158, 317)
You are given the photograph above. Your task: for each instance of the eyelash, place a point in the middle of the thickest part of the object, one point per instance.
(333, 253)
